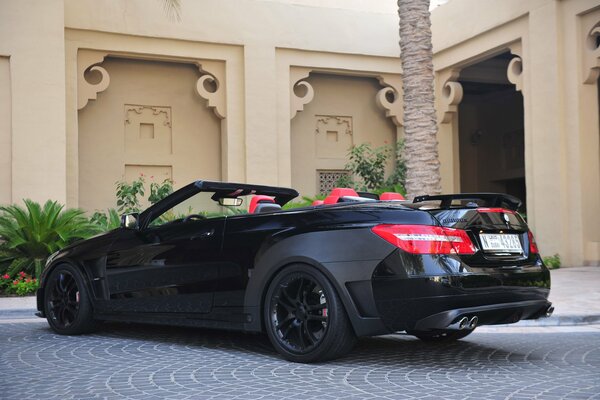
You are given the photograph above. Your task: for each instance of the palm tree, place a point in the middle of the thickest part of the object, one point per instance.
(420, 124)
(29, 235)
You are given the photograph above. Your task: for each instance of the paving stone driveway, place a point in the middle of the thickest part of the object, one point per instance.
(141, 362)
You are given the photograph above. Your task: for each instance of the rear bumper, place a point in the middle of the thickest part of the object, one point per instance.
(423, 301)
(504, 313)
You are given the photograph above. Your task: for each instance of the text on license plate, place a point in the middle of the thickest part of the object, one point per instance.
(501, 242)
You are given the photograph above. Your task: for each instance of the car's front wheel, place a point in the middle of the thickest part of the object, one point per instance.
(305, 318)
(67, 302)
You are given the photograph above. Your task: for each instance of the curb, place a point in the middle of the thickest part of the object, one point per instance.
(18, 313)
(559, 320)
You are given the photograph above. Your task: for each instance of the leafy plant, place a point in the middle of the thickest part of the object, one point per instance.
(305, 202)
(22, 285)
(106, 221)
(29, 235)
(368, 165)
(552, 262)
(159, 191)
(127, 195)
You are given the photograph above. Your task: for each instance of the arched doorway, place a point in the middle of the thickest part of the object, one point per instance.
(491, 130)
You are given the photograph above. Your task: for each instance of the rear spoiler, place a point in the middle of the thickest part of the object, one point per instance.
(490, 199)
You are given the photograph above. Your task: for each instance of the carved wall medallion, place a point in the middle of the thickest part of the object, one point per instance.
(333, 136)
(147, 129)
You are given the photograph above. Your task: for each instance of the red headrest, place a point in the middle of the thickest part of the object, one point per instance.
(317, 202)
(341, 192)
(259, 198)
(391, 196)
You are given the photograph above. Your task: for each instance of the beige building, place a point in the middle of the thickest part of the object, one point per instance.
(276, 91)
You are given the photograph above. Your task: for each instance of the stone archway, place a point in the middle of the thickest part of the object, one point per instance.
(338, 111)
(147, 117)
(491, 128)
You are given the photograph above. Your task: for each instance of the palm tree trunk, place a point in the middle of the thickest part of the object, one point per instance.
(420, 124)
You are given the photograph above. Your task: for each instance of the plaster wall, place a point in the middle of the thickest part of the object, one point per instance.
(5, 133)
(32, 35)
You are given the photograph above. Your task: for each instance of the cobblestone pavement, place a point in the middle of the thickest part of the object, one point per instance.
(141, 362)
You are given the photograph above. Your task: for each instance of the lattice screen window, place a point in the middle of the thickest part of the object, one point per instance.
(328, 178)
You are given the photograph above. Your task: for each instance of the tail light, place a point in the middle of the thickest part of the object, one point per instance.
(532, 244)
(426, 239)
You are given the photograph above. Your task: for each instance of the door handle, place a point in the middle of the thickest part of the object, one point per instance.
(203, 235)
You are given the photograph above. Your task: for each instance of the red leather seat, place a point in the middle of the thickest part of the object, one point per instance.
(259, 198)
(336, 193)
(391, 196)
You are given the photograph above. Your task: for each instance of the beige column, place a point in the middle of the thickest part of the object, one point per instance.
(5, 133)
(545, 163)
(261, 114)
(32, 34)
(449, 94)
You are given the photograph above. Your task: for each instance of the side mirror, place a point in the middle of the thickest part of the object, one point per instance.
(130, 221)
(231, 201)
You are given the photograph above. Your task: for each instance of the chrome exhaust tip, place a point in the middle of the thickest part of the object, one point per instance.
(463, 323)
(549, 311)
(473, 322)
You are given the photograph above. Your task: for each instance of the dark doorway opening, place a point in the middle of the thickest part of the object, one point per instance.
(491, 130)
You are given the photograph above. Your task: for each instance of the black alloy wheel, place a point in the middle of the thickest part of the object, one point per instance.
(67, 305)
(305, 317)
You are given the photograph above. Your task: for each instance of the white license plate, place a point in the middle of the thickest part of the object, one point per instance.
(501, 242)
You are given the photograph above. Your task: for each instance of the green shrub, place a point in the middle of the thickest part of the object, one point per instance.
(159, 191)
(22, 285)
(552, 262)
(29, 235)
(305, 202)
(367, 165)
(127, 195)
(106, 221)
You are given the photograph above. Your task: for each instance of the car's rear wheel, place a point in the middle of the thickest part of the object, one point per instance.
(67, 302)
(441, 335)
(305, 318)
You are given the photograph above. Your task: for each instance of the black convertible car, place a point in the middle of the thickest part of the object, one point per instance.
(314, 278)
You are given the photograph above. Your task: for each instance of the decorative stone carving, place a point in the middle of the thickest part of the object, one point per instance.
(451, 94)
(591, 55)
(327, 179)
(514, 71)
(297, 102)
(389, 99)
(87, 61)
(148, 129)
(333, 136)
(211, 86)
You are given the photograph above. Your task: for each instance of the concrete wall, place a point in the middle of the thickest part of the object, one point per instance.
(32, 36)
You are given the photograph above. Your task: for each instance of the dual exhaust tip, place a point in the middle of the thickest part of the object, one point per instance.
(465, 323)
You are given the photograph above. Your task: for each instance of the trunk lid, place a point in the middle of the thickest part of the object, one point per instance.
(500, 235)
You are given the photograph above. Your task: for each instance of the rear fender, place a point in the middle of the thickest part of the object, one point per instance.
(343, 256)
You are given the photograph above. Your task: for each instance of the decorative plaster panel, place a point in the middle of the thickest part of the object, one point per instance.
(211, 86)
(147, 129)
(333, 136)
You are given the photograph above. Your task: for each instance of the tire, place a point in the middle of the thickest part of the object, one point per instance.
(305, 318)
(67, 303)
(442, 336)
